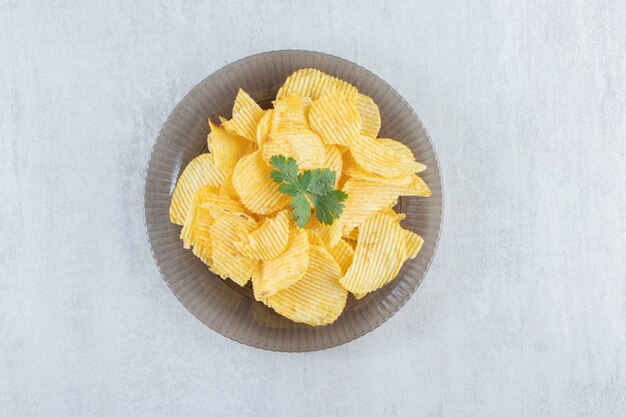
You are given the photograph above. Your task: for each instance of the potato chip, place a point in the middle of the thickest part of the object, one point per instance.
(381, 159)
(370, 115)
(242, 100)
(310, 82)
(391, 212)
(335, 119)
(227, 148)
(314, 238)
(329, 234)
(334, 161)
(200, 171)
(290, 134)
(414, 243)
(268, 241)
(227, 188)
(417, 187)
(303, 145)
(365, 199)
(317, 298)
(379, 254)
(402, 149)
(245, 121)
(252, 182)
(198, 218)
(286, 269)
(353, 170)
(264, 128)
(227, 261)
(342, 252)
(351, 233)
(291, 113)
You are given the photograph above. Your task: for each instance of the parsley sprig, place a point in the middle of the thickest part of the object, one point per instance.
(317, 185)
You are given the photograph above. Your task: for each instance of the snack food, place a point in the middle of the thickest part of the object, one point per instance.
(299, 198)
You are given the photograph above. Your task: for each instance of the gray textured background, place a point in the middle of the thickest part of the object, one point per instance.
(523, 312)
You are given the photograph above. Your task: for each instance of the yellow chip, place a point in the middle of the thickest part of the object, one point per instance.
(342, 252)
(227, 188)
(242, 100)
(370, 115)
(200, 171)
(379, 254)
(351, 233)
(335, 119)
(402, 149)
(227, 261)
(310, 82)
(329, 234)
(391, 212)
(290, 134)
(245, 121)
(381, 159)
(314, 238)
(291, 113)
(286, 269)
(252, 182)
(227, 148)
(268, 241)
(303, 145)
(264, 128)
(334, 161)
(413, 243)
(417, 187)
(365, 199)
(353, 170)
(198, 219)
(317, 298)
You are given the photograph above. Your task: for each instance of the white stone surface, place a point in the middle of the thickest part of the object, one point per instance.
(523, 312)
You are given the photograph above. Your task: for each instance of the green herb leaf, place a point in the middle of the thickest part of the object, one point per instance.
(316, 185)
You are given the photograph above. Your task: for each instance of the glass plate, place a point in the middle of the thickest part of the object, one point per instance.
(228, 308)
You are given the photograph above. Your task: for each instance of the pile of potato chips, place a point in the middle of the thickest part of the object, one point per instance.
(238, 223)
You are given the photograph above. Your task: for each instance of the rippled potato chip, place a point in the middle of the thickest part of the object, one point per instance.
(333, 161)
(264, 128)
(287, 268)
(381, 159)
(391, 212)
(291, 113)
(413, 243)
(317, 298)
(342, 252)
(329, 234)
(227, 188)
(417, 187)
(311, 82)
(227, 148)
(352, 169)
(195, 231)
(227, 261)
(351, 234)
(201, 171)
(314, 238)
(303, 145)
(252, 182)
(290, 134)
(268, 241)
(370, 115)
(379, 254)
(242, 100)
(335, 119)
(245, 121)
(402, 150)
(365, 199)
